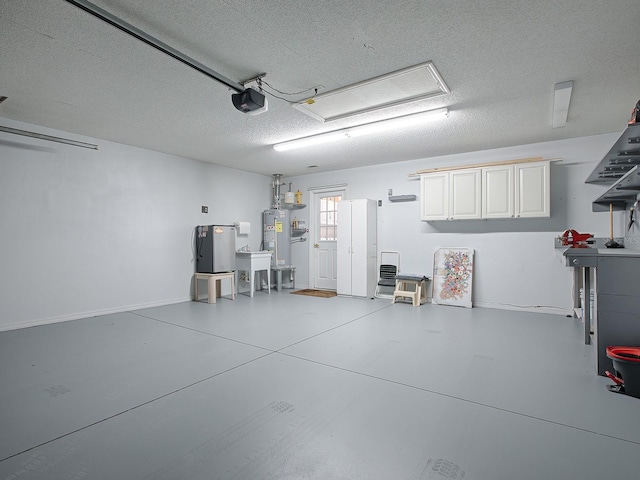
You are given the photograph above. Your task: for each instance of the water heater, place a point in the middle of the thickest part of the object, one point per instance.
(277, 236)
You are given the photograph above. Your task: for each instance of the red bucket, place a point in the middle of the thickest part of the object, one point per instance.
(626, 362)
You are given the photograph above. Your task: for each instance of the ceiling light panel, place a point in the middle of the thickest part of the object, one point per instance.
(364, 129)
(396, 88)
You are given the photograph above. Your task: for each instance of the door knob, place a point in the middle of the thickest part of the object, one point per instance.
(315, 245)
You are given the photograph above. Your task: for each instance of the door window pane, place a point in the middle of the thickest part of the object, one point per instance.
(329, 217)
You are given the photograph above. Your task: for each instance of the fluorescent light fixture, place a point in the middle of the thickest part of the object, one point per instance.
(364, 129)
(395, 88)
(561, 99)
(49, 138)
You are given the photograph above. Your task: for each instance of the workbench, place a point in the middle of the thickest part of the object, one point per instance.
(616, 315)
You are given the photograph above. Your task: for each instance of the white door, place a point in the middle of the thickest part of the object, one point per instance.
(323, 272)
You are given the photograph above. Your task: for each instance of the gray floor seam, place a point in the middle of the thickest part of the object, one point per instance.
(453, 397)
(135, 407)
(362, 389)
(258, 346)
(203, 332)
(331, 329)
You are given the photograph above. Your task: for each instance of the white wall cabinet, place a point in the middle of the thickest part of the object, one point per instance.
(520, 190)
(464, 194)
(533, 192)
(357, 249)
(498, 192)
(434, 195)
(452, 195)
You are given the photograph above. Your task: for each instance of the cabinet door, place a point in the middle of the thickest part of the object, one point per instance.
(359, 248)
(464, 194)
(434, 196)
(344, 241)
(532, 190)
(498, 192)
(372, 248)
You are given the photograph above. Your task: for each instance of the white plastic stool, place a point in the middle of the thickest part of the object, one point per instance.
(214, 280)
(418, 295)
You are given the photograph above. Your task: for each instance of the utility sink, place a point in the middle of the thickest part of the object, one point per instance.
(253, 262)
(259, 254)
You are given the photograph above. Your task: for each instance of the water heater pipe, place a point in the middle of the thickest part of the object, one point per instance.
(277, 177)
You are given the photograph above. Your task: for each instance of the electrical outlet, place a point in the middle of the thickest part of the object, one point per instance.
(205, 209)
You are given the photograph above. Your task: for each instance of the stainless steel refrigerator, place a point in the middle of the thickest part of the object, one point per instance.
(215, 248)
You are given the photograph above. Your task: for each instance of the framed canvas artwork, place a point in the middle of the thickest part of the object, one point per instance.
(453, 276)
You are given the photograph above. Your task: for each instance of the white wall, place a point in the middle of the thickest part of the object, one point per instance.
(516, 266)
(86, 232)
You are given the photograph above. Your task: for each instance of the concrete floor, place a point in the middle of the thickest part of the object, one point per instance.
(291, 387)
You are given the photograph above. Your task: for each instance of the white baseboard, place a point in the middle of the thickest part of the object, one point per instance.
(91, 313)
(128, 308)
(525, 308)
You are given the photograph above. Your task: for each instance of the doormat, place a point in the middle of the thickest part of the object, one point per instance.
(315, 293)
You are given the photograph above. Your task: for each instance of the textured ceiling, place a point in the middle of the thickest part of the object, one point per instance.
(63, 68)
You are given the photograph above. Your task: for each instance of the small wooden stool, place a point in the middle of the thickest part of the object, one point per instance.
(214, 280)
(418, 295)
